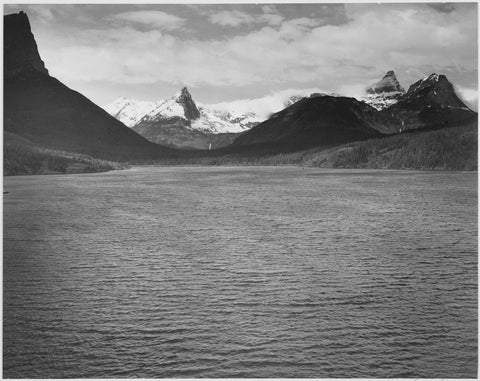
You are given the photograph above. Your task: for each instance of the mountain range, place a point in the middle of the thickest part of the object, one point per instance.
(182, 123)
(42, 113)
(429, 103)
(302, 117)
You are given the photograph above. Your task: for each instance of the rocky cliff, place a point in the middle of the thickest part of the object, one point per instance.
(20, 49)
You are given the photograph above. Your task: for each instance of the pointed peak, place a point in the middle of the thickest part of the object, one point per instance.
(184, 98)
(388, 84)
(434, 89)
(434, 77)
(183, 94)
(20, 49)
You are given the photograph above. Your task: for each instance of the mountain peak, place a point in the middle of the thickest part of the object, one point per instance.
(184, 98)
(388, 84)
(20, 49)
(434, 90)
(434, 77)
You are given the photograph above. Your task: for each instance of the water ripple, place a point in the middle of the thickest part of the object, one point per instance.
(241, 272)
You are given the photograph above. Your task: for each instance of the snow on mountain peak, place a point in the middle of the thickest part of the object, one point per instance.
(129, 111)
(259, 109)
(224, 117)
(432, 78)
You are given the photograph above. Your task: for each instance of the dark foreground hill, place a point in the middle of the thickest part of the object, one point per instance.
(47, 113)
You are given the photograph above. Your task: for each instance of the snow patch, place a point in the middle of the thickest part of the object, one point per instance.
(129, 111)
(263, 107)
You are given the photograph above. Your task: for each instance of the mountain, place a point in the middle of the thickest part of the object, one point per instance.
(317, 120)
(388, 84)
(180, 106)
(385, 92)
(430, 103)
(45, 112)
(434, 90)
(20, 49)
(129, 111)
(179, 122)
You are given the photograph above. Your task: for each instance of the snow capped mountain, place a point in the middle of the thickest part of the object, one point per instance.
(384, 93)
(129, 111)
(216, 122)
(382, 100)
(433, 91)
(166, 109)
(179, 122)
(225, 117)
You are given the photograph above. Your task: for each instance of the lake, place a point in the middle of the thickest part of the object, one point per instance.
(240, 272)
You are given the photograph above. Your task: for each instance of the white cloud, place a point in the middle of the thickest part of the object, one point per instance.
(155, 19)
(231, 18)
(299, 51)
(263, 106)
(236, 18)
(469, 96)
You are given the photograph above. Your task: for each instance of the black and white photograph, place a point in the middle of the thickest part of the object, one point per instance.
(240, 190)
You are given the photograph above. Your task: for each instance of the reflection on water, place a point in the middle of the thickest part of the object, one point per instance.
(241, 272)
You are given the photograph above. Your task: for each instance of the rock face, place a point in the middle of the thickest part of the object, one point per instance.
(20, 49)
(189, 107)
(388, 84)
(40, 109)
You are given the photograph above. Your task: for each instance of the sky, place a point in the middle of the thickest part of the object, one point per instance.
(224, 52)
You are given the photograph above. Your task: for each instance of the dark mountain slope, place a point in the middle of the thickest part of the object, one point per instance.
(319, 120)
(450, 148)
(43, 110)
(175, 133)
(46, 112)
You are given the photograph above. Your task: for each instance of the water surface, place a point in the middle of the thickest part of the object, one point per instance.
(241, 272)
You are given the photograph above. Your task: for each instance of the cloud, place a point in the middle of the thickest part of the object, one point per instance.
(236, 18)
(231, 18)
(264, 106)
(442, 7)
(469, 96)
(302, 51)
(155, 19)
